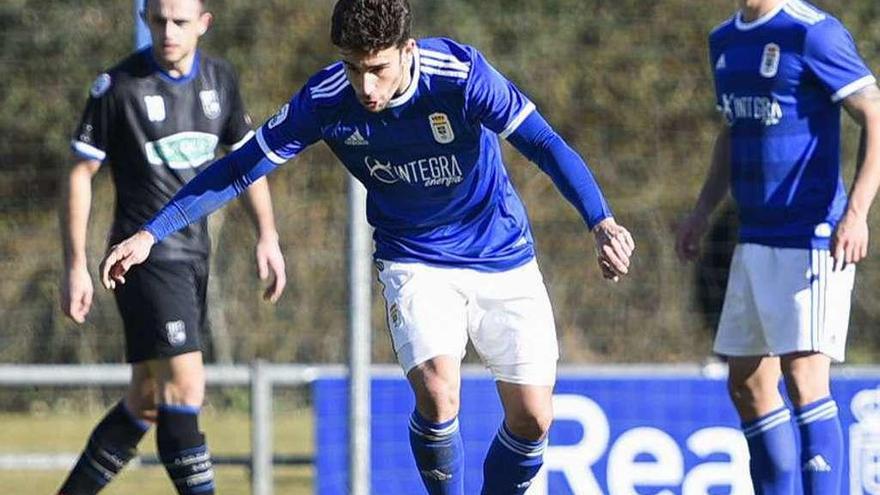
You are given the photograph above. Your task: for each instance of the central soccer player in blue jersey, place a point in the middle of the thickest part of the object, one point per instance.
(418, 122)
(783, 69)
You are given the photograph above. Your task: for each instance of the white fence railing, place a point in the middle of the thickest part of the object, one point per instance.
(260, 377)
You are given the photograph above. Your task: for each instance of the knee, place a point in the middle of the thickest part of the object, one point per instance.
(749, 393)
(804, 388)
(437, 399)
(185, 391)
(530, 425)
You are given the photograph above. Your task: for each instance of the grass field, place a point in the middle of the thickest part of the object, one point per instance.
(228, 434)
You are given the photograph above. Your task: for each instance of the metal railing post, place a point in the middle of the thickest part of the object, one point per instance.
(261, 430)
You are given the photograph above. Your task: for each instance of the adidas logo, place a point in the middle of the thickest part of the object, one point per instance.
(356, 139)
(437, 475)
(722, 63)
(817, 464)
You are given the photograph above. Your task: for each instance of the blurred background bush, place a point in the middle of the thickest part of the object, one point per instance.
(627, 82)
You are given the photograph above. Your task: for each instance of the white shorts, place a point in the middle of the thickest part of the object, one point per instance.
(780, 301)
(507, 315)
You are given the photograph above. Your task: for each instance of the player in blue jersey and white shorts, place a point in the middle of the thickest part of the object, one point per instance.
(783, 69)
(418, 123)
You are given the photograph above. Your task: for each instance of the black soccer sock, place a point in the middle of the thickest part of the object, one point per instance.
(183, 450)
(112, 444)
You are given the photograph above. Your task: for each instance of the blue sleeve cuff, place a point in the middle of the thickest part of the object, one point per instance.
(538, 142)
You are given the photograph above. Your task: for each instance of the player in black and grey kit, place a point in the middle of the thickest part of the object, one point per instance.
(157, 119)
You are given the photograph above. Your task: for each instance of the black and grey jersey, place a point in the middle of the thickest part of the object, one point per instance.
(157, 132)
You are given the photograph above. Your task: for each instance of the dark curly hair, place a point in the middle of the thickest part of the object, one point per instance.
(370, 25)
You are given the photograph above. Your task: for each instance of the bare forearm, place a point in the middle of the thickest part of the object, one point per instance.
(867, 178)
(864, 107)
(74, 214)
(717, 183)
(259, 205)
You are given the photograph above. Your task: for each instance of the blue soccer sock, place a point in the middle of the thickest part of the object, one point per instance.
(439, 454)
(821, 447)
(774, 454)
(183, 451)
(511, 463)
(111, 445)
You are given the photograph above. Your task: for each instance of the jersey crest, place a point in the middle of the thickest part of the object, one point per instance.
(441, 128)
(770, 60)
(210, 103)
(155, 108)
(101, 85)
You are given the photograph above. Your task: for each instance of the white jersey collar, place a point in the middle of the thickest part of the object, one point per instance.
(413, 83)
(764, 19)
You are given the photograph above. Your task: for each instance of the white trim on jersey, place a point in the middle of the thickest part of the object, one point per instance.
(445, 73)
(803, 12)
(437, 59)
(330, 81)
(413, 83)
(241, 142)
(515, 123)
(271, 155)
(764, 19)
(88, 151)
(852, 87)
(332, 89)
(442, 64)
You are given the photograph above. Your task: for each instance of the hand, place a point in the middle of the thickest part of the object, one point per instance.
(121, 257)
(849, 244)
(76, 293)
(269, 257)
(614, 247)
(688, 234)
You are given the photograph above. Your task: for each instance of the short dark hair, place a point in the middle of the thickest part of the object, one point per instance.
(370, 25)
(147, 5)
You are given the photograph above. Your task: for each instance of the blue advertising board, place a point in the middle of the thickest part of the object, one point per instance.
(626, 434)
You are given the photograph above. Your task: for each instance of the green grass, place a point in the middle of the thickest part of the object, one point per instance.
(228, 433)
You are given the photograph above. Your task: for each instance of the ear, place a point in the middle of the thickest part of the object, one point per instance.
(205, 20)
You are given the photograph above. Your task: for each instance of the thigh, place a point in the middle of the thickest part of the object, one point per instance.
(512, 326)
(161, 305)
(425, 312)
(739, 329)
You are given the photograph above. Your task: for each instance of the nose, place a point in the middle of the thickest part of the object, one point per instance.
(369, 84)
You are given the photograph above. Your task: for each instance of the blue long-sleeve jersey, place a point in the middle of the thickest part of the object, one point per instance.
(437, 189)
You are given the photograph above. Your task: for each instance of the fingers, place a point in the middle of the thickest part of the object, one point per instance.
(114, 268)
(608, 272)
(276, 288)
(839, 255)
(262, 266)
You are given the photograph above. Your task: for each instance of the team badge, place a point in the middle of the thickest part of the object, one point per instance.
(155, 108)
(100, 86)
(770, 60)
(210, 103)
(279, 117)
(394, 315)
(441, 128)
(175, 332)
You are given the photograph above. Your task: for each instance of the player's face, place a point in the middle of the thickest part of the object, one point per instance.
(176, 26)
(380, 75)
